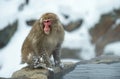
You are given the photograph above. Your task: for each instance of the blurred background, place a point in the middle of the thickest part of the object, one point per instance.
(92, 28)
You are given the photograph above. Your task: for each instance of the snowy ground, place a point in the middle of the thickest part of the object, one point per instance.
(89, 11)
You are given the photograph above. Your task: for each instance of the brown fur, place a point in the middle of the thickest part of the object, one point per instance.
(38, 43)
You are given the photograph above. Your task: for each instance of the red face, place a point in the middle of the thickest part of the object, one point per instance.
(47, 25)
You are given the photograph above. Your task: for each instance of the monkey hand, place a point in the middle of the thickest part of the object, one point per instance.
(38, 62)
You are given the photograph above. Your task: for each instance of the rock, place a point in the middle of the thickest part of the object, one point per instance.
(27, 1)
(58, 73)
(73, 25)
(30, 73)
(7, 33)
(110, 37)
(65, 16)
(107, 59)
(21, 7)
(106, 31)
(117, 13)
(102, 27)
(30, 22)
(70, 53)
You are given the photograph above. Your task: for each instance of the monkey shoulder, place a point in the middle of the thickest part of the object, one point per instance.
(61, 34)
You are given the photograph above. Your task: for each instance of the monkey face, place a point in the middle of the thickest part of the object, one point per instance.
(47, 26)
(48, 20)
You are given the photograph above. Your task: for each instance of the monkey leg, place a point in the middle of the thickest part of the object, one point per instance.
(56, 56)
(24, 57)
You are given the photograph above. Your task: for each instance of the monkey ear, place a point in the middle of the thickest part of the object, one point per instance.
(41, 20)
(40, 24)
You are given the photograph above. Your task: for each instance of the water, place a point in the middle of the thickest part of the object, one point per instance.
(95, 71)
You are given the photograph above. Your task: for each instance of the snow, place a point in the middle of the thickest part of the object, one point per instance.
(8, 13)
(113, 48)
(70, 60)
(90, 12)
(116, 24)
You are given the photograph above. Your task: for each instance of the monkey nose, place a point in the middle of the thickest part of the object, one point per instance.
(46, 21)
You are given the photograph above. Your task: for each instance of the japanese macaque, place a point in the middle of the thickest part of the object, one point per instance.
(44, 40)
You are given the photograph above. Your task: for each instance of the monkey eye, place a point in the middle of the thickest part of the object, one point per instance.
(46, 21)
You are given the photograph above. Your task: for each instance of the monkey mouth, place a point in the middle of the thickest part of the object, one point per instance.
(47, 25)
(47, 29)
(47, 33)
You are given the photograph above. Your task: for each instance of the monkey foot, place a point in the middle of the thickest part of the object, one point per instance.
(40, 65)
(61, 65)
